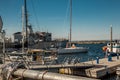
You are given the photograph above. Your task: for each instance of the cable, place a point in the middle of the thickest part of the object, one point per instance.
(37, 21)
(66, 13)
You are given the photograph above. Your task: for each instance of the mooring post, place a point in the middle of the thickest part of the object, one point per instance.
(109, 57)
(106, 69)
(117, 56)
(97, 60)
(118, 77)
(106, 54)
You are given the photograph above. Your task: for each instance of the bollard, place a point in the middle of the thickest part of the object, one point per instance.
(118, 77)
(109, 57)
(106, 69)
(106, 54)
(97, 60)
(117, 56)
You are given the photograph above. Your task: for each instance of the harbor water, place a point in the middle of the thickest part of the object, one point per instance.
(95, 50)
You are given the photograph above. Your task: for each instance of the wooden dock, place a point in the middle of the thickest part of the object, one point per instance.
(93, 69)
(43, 75)
(79, 65)
(99, 70)
(118, 73)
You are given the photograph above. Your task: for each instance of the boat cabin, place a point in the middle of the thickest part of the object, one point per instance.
(41, 56)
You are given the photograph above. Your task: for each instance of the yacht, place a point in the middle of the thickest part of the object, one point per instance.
(73, 48)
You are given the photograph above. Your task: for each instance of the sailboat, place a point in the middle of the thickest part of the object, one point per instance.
(112, 46)
(72, 48)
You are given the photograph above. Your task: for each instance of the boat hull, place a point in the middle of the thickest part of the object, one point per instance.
(73, 50)
(115, 48)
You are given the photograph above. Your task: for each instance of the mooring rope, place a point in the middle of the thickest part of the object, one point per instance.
(8, 69)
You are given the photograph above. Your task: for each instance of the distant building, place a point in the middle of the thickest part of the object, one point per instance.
(17, 37)
(62, 41)
(33, 37)
(43, 36)
(29, 29)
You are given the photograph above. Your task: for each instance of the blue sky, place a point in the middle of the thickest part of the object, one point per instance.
(91, 19)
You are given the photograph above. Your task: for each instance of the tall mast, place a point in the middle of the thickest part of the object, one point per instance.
(23, 31)
(111, 49)
(70, 21)
(26, 21)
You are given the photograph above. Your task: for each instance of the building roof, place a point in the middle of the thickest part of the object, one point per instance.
(17, 33)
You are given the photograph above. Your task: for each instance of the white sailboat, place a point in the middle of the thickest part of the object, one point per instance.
(73, 48)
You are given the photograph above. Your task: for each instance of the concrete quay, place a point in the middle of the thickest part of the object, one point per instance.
(26, 74)
(102, 69)
(118, 73)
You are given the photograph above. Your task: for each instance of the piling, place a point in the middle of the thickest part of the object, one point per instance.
(117, 56)
(118, 73)
(109, 57)
(97, 60)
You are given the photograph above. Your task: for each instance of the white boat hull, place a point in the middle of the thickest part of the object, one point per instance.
(115, 48)
(73, 50)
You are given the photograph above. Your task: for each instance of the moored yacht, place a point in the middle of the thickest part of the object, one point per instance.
(73, 49)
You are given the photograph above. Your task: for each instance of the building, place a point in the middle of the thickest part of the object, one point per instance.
(17, 37)
(29, 29)
(33, 37)
(43, 36)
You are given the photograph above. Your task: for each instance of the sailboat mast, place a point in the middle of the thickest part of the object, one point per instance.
(26, 21)
(70, 21)
(23, 31)
(111, 39)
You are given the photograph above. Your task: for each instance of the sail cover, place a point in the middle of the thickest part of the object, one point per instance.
(1, 23)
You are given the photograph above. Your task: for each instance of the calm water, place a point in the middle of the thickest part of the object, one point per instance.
(95, 50)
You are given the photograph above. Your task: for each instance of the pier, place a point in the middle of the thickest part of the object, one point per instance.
(79, 65)
(26, 74)
(90, 69)
(101, 69)
(44, 75)
(118, 73)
